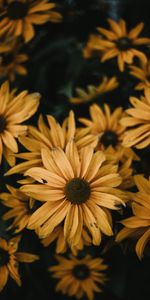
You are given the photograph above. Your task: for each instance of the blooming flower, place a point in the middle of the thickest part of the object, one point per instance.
(79, 277)
(13, 111)
(18, 17)
(117, 42)
(9, 259)
(77, 190)
(21, 207)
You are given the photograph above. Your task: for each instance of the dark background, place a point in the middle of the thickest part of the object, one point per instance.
(55, 69)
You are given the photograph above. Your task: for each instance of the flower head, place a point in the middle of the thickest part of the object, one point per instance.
(12, 62)
(18, 17)
(77, 190)
(13, 111)
(79, 277)
(137, 227)
(117, 42)
(21, 207)
(138, 121)
(9, 260)
(107, 85)
(106, 126)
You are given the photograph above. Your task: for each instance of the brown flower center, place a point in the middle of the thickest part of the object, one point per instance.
(81, 272)
(3, 123)
(77, 190)
(109, 138)
(17, 10)
(4, 257)
(124, 43)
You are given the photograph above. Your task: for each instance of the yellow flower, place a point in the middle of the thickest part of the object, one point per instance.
(21, 208)
(107, 85)
(106, 126)
(117, 42)
(61, 243)
(11, 63)
(50, 136)
(138, 226)
(9, 259)
(143, 74)
(13, 111)
(18, 17)
(79, 277)
(77, 190)
(138, 121)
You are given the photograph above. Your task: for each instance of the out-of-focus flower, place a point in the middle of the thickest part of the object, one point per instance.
(12, 62)
(79, 277)
(143, 74)
(49, 136)
(77, 190)
(117, 42)
(21, 207)
(138, 121)
(107, 85)
(13, 111)
(137, 227)
(9, 260)
(18, 17)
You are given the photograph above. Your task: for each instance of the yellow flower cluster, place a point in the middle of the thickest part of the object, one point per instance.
(74, 174)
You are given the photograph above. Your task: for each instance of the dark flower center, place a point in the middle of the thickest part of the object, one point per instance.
(124, 43)
(109, 138)
(3, 123)
(77, 190)
(81, 272)
(4, 257)
(7, 58)
(17, 10)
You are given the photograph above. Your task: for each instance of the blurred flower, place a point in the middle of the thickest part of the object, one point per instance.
(9, 259)
(11, 62)
(138, 118)
(18, 17)
(107, 85)
(76, 189)
(61, 243)
(137, 227)
(21, 206)
(143, 74)
(50, 136)
(117, 42)
(13, 111)
(79, 277)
